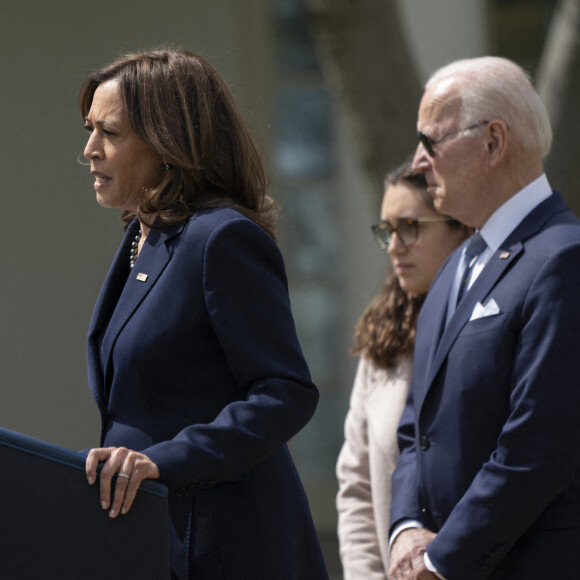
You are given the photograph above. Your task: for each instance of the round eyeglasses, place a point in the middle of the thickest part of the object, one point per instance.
(407, 230)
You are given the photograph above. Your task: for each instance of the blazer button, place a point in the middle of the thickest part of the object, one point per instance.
(424, 442)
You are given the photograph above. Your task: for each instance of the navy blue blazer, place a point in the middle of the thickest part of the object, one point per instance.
(193, 359)
(491, 435)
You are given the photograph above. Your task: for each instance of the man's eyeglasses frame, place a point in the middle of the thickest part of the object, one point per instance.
(428, 142)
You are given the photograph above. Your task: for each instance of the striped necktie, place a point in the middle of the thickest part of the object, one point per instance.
(472, 249)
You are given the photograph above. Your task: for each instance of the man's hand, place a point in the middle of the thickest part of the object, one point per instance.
(407, 555)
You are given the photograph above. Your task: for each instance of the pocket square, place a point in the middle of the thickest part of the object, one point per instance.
(481, 311)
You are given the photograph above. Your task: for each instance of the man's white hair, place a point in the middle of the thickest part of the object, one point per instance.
(496, 88)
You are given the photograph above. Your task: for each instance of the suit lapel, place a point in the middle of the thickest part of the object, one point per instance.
(119, 300)
(440, 345)
(480, 290)
(108, 298)
(438, 295)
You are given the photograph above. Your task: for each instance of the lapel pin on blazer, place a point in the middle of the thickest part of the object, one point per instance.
(142, 277)
(505, 255)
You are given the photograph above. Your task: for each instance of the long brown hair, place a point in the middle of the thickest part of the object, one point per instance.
(179, 106)
(386, 330)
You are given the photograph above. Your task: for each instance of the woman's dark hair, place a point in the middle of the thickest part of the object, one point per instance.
(180, 106)
(386, 329)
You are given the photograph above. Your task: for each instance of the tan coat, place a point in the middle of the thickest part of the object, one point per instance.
(365, 465)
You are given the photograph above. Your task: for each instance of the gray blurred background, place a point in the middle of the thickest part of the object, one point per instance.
(330, 88)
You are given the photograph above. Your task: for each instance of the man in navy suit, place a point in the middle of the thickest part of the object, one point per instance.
(488, 483)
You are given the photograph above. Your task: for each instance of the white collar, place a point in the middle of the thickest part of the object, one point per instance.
(510, 214)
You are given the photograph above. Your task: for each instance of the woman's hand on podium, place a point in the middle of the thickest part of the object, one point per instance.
(125, 470)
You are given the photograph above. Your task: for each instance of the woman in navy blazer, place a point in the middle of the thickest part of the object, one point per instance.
(193, 357)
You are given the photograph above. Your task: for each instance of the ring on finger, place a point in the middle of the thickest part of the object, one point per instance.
(123, 475)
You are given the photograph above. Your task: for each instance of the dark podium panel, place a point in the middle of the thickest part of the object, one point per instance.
(52, 525)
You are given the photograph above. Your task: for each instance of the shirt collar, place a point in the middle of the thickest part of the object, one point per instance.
(508, 216)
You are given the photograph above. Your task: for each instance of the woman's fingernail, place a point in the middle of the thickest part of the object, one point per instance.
(112, 514)
(91, 480)
(104, 505)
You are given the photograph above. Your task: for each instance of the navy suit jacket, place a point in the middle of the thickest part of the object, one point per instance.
(491, 436)
(193, 360)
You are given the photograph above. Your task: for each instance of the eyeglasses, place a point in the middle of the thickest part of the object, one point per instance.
(429, 142)
(407, 230)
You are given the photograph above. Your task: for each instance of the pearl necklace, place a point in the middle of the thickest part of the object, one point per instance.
(134, 250)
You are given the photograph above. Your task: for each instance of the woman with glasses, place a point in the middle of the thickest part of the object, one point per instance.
(418, 240)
